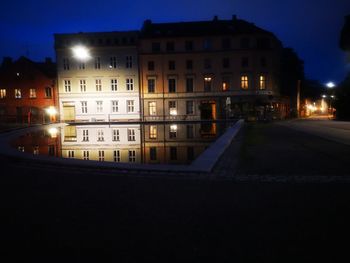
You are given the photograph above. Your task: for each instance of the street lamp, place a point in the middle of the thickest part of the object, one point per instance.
(81, 53)
(330, 85)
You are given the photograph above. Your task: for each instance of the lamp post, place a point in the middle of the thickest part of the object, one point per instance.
(330, 85)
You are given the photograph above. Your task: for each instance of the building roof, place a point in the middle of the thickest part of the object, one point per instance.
(201, 28)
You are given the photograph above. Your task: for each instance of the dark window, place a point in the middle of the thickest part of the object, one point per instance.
(245, 42)
(173, 153)
(190, 153)
(189, 64)
(170, 46)
(172, 85)
(171, 65)
(153, 153)
(116, 41)
(48, 92)
(263, 62)
(189, 131)
(150, 65)
(263, 43)
(189, 107)
(189, 45)
(225, 62)
(226, 43)
(124, 40)
(51, 150)
(245, 62)
(207, 44)
(207, 63)
(151, 85)
(156, 46)
(189, 84)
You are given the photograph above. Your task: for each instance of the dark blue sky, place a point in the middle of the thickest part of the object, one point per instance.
(311, 27)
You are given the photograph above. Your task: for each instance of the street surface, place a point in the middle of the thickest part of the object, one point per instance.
(53, 213)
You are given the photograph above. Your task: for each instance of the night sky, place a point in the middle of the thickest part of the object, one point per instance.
(311, 27)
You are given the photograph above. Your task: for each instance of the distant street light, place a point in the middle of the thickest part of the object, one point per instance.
(330, 85)
(81, 53)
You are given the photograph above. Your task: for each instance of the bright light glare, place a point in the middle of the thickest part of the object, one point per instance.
(51, 110)
(324, 96)
(53, 132)
(173, 112)
(330, 85)
(173, 127)
(81, 53)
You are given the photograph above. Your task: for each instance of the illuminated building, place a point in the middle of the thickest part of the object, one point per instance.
(208, 70)
(98, 76)
(28, 92)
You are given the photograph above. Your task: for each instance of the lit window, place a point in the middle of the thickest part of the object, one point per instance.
(114, 84)
(115, 135)
(100, 135)
(98, 84)
(99, 106)
(244, 82)
(86, 155)
(21, 148)
(32, 93)
(153, 153)
(116, 155)
(225, 84)
(70, 154)
(207, 84)
(152, 108)
(172, 108)
(85, 135)
(65, 64)
(262, 82)
(101, 156)
(151, 85)
(113, 62)
(2, 93)
(82, 84)
(83, 106)
(115, 106)
(131, 134)
(97, 62)
(18, 93)
(67, 85)
(128, 63)
(153, 132)
(36, 150)
(132, 156)
(173, 131)
(130, 106)
(172, 85)
(129, 84)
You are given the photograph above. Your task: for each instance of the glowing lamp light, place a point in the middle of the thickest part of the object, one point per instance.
(330, 85)
(81, 53)
(324, 96)
(53, 132)
(173, 127)
(173, 112)
(51, 111)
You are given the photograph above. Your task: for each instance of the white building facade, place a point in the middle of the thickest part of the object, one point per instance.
(103, 84)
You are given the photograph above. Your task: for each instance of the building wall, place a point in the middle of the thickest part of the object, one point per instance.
(105, 74)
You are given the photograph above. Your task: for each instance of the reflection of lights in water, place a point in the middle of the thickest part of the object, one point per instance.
(53, 132)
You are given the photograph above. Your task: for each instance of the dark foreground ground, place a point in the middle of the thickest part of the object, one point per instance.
(64, 214)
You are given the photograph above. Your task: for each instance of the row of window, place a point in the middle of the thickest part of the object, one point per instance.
(207, 63)
(172, 105)
(208, 83)
(207, 44)
(130, 106)
(129, 85)
(115, 135)
(103, 41)
(113, 63)
(32, 93)
(101, 155)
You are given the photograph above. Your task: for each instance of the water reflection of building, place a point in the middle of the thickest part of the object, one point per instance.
(176, 143)
(45, 142)
(113, 143)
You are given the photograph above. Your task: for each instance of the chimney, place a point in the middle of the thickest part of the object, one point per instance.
(215, 18)
(234, 17)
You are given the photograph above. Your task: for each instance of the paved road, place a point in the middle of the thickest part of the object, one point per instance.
(338, 131)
